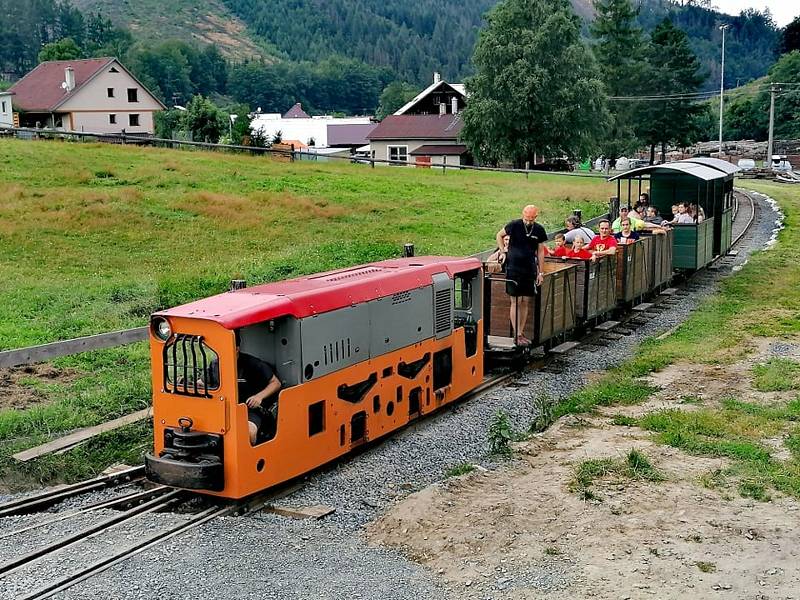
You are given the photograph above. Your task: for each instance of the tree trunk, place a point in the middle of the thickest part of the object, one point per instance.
(663, 152)
(652, 154)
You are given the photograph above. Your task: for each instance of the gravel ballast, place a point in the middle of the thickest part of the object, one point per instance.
(266, 556)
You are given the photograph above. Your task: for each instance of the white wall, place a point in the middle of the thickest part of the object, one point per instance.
(7, 115)
(98, 122)
(302, 129)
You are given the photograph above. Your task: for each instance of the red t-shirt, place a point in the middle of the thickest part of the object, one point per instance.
(582, 253)
(559, 251)
(601, 244)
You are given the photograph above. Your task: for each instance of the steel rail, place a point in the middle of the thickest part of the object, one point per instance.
(127, 500)
(750, 221)
(235, 509)
(153, 505)
(54, 496)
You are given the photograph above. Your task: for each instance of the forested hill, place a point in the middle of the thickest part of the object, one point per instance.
(411, 38)
(414, 39)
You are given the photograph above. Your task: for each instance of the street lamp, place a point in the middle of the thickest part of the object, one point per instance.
(722, 28)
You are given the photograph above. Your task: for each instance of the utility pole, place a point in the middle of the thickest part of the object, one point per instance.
(772, 90)
(723, 28)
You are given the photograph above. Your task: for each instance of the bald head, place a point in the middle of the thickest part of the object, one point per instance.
(529, 214)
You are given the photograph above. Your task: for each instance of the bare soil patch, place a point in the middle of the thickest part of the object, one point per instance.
(519, 532)
(19, 386)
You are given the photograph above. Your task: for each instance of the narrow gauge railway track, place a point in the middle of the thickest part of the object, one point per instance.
(39, 502)
(164, 499)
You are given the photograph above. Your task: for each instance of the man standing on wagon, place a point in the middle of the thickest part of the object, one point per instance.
(524, 260)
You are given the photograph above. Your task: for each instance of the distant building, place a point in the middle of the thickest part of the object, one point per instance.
(426, 130)
(315, 132)
(6, 109)
(96, 95)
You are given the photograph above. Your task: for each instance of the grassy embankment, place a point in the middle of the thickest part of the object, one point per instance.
(762, 300)
(94, 238)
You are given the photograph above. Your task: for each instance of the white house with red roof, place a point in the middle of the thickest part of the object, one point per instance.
(95, 95)
(6, 109)
(426, 130)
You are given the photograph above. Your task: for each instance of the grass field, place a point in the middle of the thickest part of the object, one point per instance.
(95, 237)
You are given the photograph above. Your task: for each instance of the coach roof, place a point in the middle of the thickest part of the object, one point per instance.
(324, 292)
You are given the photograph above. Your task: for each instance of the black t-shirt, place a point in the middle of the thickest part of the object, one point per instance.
(253, 375)
(522, 247)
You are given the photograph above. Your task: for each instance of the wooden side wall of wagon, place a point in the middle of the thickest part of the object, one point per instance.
(556, 303)
(661, 258)
(595, 286)
(706, 182)
(634, 270)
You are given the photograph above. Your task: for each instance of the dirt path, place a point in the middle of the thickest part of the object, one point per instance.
(519, 532)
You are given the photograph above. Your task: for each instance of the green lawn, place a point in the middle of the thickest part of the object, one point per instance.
(95, 237)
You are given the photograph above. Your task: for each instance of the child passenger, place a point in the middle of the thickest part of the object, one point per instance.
(560, 250)
(578, 249)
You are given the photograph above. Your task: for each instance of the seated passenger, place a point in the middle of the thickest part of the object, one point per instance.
(683, 216)
(496, 263)
(652, 217)
(697, 213)
(560, 250)
(624, 213)
(603, 244)
(644, 199)
(258, 387)
(578, 249)
(574, 228)
(638, 208)
(626, 236)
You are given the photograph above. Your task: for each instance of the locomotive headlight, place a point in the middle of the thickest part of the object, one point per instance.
(161, 329)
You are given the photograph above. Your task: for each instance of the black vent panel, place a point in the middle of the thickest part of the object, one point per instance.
(443, 317)
(334, 352)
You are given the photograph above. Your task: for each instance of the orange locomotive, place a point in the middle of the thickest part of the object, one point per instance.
(359, 352)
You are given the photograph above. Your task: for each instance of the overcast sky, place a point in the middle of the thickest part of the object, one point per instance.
(784, 11)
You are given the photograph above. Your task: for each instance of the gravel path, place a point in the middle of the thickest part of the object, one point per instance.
(264, 556)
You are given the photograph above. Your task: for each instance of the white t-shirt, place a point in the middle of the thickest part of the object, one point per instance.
(586, 233)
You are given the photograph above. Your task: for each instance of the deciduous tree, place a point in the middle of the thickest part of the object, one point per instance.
(65, 49)
(537, 89)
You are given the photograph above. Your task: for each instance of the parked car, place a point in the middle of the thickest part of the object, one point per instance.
(746, 164)
(554, 164)
(635, 163)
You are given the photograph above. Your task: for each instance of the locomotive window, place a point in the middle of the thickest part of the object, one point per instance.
(463, 287)
(190, 367)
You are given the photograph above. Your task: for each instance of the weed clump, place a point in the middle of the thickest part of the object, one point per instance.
(500, 434)
(461, 469)
(634, 466)
(543, 414)
(777, 375)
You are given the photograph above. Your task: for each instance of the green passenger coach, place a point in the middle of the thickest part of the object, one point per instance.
(706, 182)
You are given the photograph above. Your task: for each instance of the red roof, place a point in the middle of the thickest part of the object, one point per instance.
(296, 112)
(315, 294)
(435, 150)
(41, 91)
(418, 127)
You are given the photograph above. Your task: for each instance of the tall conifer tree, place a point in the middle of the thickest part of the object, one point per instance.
(619, 51)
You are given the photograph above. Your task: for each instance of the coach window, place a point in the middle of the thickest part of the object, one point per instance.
(463, 289)
(398, 153)
(133, 120)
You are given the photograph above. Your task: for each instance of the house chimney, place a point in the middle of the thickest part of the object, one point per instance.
(437, 77)
(454, 105)
(69, 79)
(442, 108)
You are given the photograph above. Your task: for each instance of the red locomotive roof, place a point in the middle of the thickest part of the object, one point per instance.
(314, 294)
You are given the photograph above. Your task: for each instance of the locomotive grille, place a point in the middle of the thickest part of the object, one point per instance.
(401, 297)
(190, 367)
(335, 351)
(444, 310)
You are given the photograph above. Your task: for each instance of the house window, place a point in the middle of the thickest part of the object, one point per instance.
(133, 94)
(398, 153)
(4, 106)
(113, 70)
(112, 118)
(133, 120)
(110, 92)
